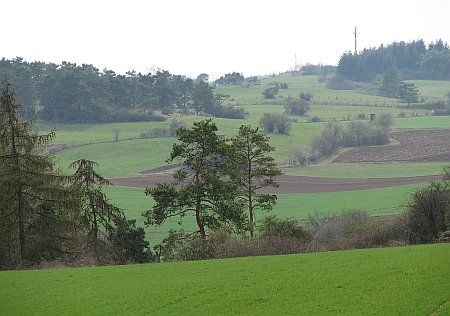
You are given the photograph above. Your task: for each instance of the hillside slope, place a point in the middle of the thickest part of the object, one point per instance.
(403, 280)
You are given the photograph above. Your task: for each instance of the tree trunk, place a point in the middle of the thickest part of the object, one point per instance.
(252, 224)
(21, 224)
(199, 221)
(19, 196)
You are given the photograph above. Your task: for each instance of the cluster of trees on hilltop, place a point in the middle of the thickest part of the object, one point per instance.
(414, 60)
(68, 92)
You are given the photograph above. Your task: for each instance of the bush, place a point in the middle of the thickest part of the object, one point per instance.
(296, 106)
(338, 82)
(123, 115)
(130, 244)
(306, 96)
(168, 110)
(301, 156)
(270, 93)
(386, 119)
(315, 119)
(428, 212)
(442, 112)
(361, 116)
(365, 134)
(283, 85)
(174, 126)
(271, 226)
(355, 229)
(275, 123)
(228, 111)
(329, 141)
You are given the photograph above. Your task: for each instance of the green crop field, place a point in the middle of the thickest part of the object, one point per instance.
(424, 122)
(402, 281)
(432, 89)
(384, 201)
(370, 170)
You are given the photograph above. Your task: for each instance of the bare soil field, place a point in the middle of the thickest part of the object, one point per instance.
(293, 184)
(413, 146)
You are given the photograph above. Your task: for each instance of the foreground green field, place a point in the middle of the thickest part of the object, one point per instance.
(402, 281)
(385, 201)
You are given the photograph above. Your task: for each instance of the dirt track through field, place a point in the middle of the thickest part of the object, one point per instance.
(295, 184)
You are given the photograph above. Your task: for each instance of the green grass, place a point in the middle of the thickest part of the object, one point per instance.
(402, 281)
(432, 89)
(384, 201)
(370, 170)
(123, 158)
(128, 157)
(423, 122)
(297, 84)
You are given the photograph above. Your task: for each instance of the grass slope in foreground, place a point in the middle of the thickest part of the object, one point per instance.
(405, 281)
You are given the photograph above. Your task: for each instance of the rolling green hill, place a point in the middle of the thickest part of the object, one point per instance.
(384, 201)
(403, 281)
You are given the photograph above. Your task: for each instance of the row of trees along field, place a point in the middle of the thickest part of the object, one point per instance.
(414, 60)
(72, 93)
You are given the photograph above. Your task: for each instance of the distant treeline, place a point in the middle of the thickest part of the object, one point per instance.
(68, 92)
(414, 60)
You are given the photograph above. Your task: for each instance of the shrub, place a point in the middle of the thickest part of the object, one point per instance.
(386, 119)
(271, 226)
(174, 126)
(361, 116)
(338, 82)
(355, 229)
(228, 111)
(428, 212)
(442, 112)
(301, 156)
(270, 93)
(365, 134)
(329, 140)
(129, 243)
(315, 119)
(168, 110)
(306, 96)
(296, 106)
(123, 115)
(283, 85)
(275, 123)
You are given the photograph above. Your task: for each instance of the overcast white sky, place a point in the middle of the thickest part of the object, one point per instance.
(191, 37)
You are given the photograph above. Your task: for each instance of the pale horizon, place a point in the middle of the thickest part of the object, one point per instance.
(189, 38)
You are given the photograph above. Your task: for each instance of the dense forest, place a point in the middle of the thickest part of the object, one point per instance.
(414, 60)
(82, 93)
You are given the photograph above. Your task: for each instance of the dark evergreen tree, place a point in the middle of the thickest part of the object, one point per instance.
(254, 169)
(31, 191)
(200, 187)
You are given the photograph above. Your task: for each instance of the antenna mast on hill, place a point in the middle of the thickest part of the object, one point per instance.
(356, 36)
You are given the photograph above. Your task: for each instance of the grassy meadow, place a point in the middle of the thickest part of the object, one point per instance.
(409, 280)
(384, 201)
